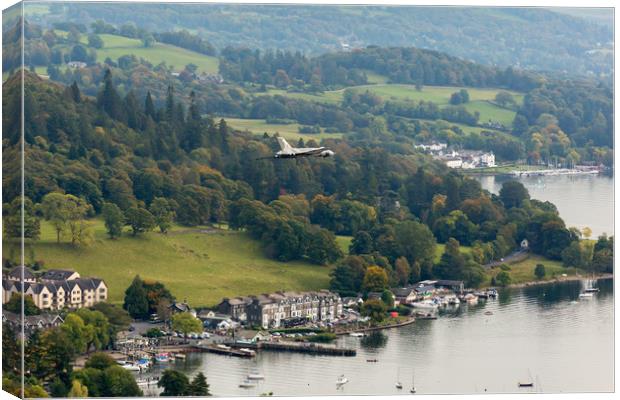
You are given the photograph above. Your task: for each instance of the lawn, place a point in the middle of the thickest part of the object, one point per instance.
(328, 97)
(197, 266)
(288, 131)
(116, 46)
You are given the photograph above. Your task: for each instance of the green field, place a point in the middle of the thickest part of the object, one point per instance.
(288, 131)
(198, 266)
(344, 242)
(481, 100)
(116, 46)
(440, 248)
(523, 271)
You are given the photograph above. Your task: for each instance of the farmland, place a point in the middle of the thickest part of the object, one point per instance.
(288, 131)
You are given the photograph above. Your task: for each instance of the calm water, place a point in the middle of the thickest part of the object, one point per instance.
(583, 200)
(544, 334)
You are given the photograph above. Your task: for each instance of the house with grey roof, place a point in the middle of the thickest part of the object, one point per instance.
(57, 289)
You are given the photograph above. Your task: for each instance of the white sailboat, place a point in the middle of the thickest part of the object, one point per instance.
(412, 390)
(399, 385)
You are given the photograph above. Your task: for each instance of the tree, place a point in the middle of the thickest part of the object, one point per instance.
(114, 219)
(99, 325)
(513, 194)
(77, 389)
(12, 220)
(415, 242)
(375, 309)
(163, 213)
(348, 276)
(452, 262)
(186, 323)
(55, 211)
(108, 98)
(403, 271)
(95, 41)
(136, 302)
(199, 386)
(14, 305)
(77, 331)
(361, 243)
(119, 382)
(539, 271)
(99, 361)
(140, 220)
(504, 99)
(175, 383)
(503, 278)
(387, 298)
(76, 209)
(375, 279)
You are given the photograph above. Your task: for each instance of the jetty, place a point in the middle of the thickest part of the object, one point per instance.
(225, 350)
(298, 347)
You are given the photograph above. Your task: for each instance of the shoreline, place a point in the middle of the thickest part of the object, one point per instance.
(557, 280)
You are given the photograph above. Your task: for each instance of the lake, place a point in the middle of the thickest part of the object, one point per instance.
(544, 334)
(582, 200)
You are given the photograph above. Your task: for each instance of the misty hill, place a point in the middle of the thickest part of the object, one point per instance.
(538, 39)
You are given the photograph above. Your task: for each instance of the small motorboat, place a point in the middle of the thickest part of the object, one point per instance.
(341, 380)
(586, 295)
(247, 351)
(247, 384)
(591, 290)
(256, 376)
(492, 293)
(488, 313)
(399, 385)
(223, 347)
(357, 334)
(526, 384)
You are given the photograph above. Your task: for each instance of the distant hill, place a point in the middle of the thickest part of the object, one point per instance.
(533, 38)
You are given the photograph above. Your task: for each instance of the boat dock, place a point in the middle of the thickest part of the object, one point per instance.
(225, 350)
(299, 347)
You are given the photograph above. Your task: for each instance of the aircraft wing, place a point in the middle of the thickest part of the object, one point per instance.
(308, 150)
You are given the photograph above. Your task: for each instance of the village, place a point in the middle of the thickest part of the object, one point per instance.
(304, 322)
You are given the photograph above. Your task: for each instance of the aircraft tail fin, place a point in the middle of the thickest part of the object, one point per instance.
(284, 145)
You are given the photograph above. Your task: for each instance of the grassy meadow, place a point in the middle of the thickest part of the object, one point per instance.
(523, 271)
(200, 265)
(288, 131)
(116, 46)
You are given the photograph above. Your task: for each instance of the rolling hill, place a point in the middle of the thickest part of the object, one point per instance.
(201, 265)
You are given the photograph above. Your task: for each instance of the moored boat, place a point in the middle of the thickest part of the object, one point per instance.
(341, 380)
(428, 304)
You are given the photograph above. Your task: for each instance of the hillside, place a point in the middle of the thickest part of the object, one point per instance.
(199, 264)
(532, 38)
(116, 46)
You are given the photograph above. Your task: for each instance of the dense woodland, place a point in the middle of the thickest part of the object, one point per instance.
(134, 163)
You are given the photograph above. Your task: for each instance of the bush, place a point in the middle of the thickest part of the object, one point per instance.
(539, 271)
(401, 310)
(324, 337)
(503, 278)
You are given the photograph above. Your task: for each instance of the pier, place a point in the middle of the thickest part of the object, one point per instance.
(227, 351)
(299, 347)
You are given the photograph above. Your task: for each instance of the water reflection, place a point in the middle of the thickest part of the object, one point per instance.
(374, 340)
(545, 329)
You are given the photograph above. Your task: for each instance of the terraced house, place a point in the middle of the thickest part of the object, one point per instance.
(55, 289)
(281, 308)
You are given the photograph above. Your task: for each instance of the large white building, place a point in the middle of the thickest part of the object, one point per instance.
(55, 289)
